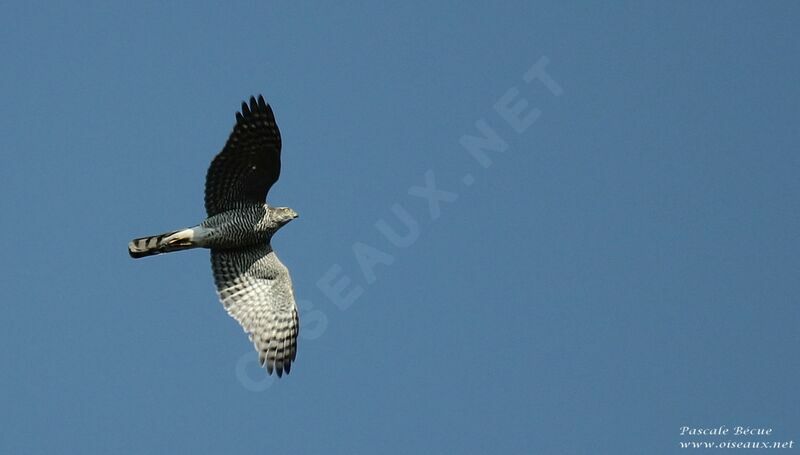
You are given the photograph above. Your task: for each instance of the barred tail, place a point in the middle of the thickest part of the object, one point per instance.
(162, 243)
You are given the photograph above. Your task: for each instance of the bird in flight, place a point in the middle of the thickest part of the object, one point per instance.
(252, 283)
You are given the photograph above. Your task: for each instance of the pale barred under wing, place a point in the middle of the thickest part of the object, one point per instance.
(256, 290)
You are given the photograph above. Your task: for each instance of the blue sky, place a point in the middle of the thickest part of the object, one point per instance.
(627, 266)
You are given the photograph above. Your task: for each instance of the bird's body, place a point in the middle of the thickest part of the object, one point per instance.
(249, 225)
(252, 283)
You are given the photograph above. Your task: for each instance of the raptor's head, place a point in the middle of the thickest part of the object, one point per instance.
(282, 215)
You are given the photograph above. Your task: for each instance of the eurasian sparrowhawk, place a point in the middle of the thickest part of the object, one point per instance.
(252, 283)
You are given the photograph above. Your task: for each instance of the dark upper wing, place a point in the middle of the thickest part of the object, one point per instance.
(250, 163)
